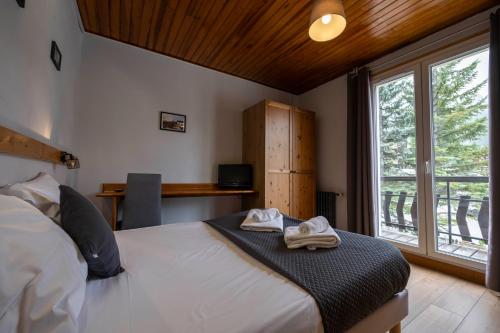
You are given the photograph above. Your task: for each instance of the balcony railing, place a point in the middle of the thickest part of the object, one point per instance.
(463, 210)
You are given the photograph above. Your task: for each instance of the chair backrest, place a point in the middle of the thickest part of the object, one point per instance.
(142, 204)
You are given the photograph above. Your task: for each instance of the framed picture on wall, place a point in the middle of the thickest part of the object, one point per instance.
(172, 122)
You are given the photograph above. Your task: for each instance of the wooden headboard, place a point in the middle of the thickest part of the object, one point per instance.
(17, 144)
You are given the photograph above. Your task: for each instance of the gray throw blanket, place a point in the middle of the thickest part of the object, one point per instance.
(348, 282)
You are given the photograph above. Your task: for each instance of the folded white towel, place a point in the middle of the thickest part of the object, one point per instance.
(315, 225)
(263, 215)
(273, 225)
(293, 234)
(295, 239)
(311, 245)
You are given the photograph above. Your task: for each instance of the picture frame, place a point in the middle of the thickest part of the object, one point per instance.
(172, 122)
(55, 55)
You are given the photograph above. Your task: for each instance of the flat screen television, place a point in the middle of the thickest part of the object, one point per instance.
(235, 175)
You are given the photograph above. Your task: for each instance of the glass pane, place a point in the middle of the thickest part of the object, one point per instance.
(460, 145)
(395, 101)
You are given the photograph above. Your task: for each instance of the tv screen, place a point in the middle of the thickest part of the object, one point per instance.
(235, 175)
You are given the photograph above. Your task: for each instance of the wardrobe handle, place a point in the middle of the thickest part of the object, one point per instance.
(293, 171)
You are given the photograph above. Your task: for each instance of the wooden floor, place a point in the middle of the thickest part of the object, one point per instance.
(441, 303)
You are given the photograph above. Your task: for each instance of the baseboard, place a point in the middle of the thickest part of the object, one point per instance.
(446, 268)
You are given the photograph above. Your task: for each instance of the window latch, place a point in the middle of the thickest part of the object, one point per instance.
(428, 167)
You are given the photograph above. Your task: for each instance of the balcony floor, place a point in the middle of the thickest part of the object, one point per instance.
(461, 250)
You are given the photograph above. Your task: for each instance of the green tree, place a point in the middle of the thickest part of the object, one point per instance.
(459, 121)
(397, 127)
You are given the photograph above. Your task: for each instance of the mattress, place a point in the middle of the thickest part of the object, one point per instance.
(187, 277)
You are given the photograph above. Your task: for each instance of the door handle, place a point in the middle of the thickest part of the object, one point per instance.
(428, 167)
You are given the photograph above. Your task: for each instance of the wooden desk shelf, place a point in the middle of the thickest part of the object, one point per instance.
(116, 191)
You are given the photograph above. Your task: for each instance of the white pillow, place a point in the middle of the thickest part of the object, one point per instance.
(42, 273)
(42, 192)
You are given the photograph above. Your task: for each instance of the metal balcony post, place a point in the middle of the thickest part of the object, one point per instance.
(448, 194)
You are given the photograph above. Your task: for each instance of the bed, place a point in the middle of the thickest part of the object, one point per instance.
(189, 278)
(184, 277)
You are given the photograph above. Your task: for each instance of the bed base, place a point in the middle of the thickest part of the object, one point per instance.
(386, 318)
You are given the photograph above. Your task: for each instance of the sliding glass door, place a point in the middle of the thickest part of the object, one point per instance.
(457, 113)
(432, 139)
(395, 101)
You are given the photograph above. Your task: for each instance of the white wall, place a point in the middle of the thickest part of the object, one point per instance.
(121, 91)
(329, 101)
(36, 99)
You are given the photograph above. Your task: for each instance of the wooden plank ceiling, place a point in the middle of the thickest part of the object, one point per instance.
(266, 40)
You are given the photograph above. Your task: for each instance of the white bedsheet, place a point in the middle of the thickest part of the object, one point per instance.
(188, 278)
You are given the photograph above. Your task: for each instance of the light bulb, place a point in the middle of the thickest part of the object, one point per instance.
(325, 19)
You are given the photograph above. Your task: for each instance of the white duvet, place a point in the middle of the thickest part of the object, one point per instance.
(188, 278)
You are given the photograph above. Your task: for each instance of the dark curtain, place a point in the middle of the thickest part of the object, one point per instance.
(493, 265)
(360, 207)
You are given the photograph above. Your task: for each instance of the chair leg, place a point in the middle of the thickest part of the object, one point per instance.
(396, 328)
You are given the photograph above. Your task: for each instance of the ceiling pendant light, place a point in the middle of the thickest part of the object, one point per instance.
(327, 20)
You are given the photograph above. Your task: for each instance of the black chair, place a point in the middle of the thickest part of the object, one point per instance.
(142, 204)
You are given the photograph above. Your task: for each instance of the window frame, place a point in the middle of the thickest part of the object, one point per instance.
(387, 76)
(456, 51)
(421, 68)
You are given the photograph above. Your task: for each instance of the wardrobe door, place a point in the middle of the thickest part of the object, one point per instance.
(278, 192)
(303, 190)
(278, 138)
(303, 141)
(303, 164)
(278, 150)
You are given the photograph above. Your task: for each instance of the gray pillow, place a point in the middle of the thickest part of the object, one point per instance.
(84, 223)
